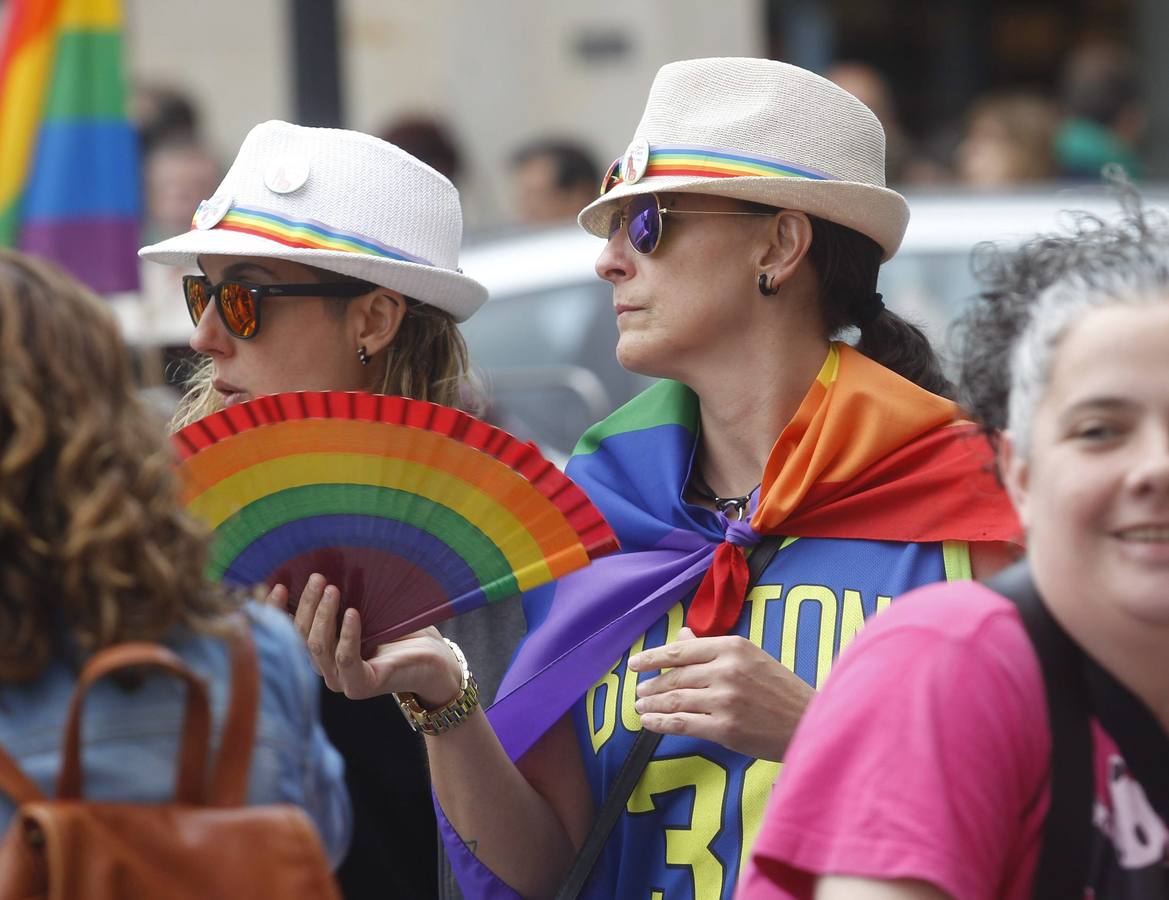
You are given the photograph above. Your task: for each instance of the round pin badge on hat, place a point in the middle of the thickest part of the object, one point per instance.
(210, 212)
(634, 162)
(287, 174)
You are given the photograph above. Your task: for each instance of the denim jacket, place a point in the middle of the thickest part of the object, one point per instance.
(130, 737)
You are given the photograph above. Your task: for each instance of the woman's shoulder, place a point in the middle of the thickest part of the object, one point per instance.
(664, 402)
(950, 632)
(953, 644)
(284, 662)
(954, 610)
(288, 686)
(272, 630)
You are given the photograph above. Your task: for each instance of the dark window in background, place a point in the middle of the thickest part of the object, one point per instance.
(940, 55)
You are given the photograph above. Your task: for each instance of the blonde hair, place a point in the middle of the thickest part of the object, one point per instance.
(95, 547)
(427, 360)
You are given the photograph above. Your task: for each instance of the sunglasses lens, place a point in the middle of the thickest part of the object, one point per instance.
(615, 223)
(238, 308)
(195, 290)
(645, 226)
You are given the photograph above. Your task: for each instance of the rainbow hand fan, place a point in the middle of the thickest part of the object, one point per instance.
(417, 512)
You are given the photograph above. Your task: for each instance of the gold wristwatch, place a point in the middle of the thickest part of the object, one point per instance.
(443, 719)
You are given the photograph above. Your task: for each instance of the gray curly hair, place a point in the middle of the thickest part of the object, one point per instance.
(1035, 293)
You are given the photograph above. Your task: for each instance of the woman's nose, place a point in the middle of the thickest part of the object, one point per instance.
(615, 264)
(1150, 474)
(210, 336)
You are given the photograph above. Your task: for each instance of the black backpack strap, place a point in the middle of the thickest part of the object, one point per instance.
(639, 756)
(636, 760)
(1064, 857)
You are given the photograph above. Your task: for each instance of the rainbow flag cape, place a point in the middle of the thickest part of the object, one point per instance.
(69, 182)
(868, 455)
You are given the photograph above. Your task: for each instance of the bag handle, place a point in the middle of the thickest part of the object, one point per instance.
(229, 782)
(190, 780)
(233, 762)
(639, 756)
(15, 783)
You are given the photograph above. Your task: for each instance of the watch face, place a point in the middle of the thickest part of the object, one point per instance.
(438, 721)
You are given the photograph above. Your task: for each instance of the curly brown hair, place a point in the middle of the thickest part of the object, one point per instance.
(94, 545)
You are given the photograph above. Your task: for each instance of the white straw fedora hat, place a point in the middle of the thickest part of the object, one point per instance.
(758, 130)
(339, 200)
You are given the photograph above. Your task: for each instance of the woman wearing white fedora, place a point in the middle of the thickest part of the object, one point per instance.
(776, 489)
(329, 261)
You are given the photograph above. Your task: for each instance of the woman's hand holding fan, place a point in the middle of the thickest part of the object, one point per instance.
(415, 512)
(419, 662)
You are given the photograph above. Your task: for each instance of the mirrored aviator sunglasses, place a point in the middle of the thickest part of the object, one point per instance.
(642, 218)
(239, 302)
(644, 214)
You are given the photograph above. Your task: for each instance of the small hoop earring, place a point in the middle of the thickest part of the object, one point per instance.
(362, 355)
(767, 287)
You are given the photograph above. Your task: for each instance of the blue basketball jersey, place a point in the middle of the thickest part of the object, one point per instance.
(690, 822)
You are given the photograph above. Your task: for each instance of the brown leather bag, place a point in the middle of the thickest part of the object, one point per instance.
(206, 844)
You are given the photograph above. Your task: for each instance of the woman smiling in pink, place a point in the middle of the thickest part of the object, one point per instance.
(936, 763)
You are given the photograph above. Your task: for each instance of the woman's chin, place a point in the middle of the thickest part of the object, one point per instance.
(635, 355)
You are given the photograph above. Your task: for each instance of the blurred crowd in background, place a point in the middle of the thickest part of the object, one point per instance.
(1012, 137)
(1021, 135)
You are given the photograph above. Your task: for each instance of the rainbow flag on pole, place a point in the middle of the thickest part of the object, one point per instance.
(69, 180)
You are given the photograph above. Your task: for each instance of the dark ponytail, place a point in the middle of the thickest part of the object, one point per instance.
(846, 262)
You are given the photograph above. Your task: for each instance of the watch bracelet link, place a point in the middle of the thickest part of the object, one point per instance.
(443, 719)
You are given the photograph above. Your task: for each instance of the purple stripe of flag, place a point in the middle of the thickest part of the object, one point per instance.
(101, 252)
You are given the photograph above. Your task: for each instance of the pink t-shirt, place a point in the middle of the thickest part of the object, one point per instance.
(927, 757)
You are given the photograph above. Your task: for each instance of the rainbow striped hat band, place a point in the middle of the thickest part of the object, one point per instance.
(761, 131)
(663, 160)
(337, 200)
(307, 234)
